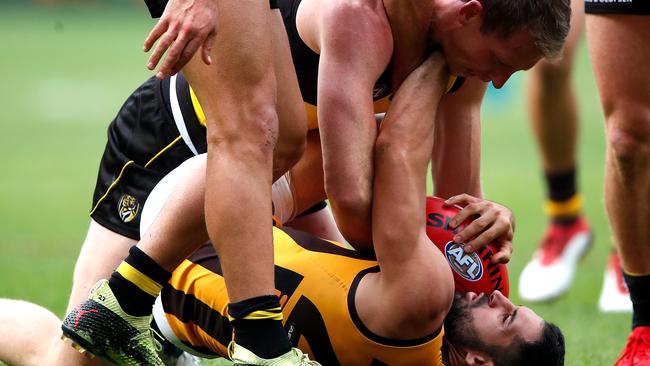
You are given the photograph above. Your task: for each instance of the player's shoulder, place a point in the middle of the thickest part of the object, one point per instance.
(351, 17)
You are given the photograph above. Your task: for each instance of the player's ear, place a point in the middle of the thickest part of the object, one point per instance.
(476, 358)
(469, 11)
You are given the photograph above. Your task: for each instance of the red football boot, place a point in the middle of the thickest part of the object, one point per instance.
(637, 349)
(550, 272)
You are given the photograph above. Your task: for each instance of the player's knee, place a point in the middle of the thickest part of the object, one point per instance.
(256, 132)
(628, 135)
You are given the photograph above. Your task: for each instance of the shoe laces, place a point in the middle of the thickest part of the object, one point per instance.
(301, 358)
(149, 337)
(304, 358)
(154, 337)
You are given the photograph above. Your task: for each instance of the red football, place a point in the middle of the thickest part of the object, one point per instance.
(472, 271)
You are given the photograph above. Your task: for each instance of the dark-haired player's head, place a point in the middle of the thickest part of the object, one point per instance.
(491, 330)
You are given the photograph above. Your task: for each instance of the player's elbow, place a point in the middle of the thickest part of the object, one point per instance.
(354, 198)
(393, 148)
(426, 310)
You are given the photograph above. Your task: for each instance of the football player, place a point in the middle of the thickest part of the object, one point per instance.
(617, 36)
(350, 78)
(346, 307)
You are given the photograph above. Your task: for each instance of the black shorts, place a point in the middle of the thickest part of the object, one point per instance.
(144, 144)
(629, 7)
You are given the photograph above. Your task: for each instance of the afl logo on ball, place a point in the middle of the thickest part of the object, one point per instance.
(128, 208)
(467, 265)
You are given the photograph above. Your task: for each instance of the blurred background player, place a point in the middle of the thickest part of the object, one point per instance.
(617, 33)
(568, 236)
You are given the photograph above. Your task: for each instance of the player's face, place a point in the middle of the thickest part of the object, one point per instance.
(498, 321)
(490, 320)
(487, 57)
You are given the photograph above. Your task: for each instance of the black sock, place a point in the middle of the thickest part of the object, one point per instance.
(639, 287)
(137, 282)
(561, 187)
(258, 326)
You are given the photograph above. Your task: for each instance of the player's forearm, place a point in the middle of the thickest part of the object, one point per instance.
(402, 154)
(348, 132)
(457, 144)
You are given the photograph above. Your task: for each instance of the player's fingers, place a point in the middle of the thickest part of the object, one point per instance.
(504, 254)
(157, 31)
(207, 48)
(461, 200)
(161, 47)
(186, 55)
(474, 229)
(183, 40)
(467, 212)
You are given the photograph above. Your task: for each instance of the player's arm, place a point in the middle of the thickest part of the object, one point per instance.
(404, 252)
(456, 171)
(355, 47)
(456, 157)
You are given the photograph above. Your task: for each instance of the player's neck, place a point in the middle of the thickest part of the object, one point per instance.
(410, 23)
(415, 14)
(443, 19)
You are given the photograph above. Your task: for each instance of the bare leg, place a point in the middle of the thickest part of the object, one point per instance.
(238, 93)
(620, 52)
(28, 333)
(554, 121)
(552, 102)
(617, 44)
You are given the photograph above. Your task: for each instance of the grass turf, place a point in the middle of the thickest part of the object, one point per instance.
(66, 71)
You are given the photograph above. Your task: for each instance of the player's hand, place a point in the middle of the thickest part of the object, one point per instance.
(490, 223)
(185, 26)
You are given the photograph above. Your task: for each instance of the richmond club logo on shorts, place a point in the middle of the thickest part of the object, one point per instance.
(128, 208)
(467, 265)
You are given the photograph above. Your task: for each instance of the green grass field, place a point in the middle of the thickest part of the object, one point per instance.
(65, 73)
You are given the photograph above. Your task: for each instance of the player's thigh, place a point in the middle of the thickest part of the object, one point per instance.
(103, 250)
(244, 41)
(238, 91)
(620, 53)
(292, 118)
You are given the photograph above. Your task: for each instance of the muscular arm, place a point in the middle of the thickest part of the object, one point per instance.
(404, 252)
(456, 157)
(354, 53)
(456, 171)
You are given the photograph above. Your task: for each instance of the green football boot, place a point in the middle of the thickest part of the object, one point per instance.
(100, 327)
(243, 357)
